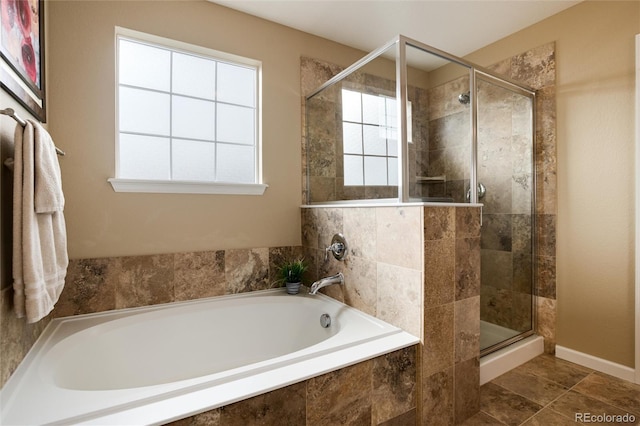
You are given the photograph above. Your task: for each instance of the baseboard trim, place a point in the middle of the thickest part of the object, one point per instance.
(506, 359)
(602, 365)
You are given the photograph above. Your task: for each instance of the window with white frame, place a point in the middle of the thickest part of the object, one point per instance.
(186, 115)
(369, 137)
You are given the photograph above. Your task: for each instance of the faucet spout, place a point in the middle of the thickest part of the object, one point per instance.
(324, 282)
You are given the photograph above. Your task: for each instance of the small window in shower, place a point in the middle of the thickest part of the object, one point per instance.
(369, 138)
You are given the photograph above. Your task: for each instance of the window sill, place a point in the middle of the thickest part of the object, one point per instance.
(186, 187)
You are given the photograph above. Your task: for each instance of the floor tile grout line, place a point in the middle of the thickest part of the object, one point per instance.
(529, 399)
(522, 396)
(565, 391)
(493, 417)
(548, 405)
(516, 393)
(563, 394)
(602, 400)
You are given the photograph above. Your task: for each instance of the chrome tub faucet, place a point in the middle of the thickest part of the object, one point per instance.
(324, 282)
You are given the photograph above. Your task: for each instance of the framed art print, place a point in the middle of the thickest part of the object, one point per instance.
(22, 53)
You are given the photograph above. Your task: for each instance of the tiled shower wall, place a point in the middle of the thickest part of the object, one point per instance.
(418, 268)
(537, 68)
(325, 174)
(447, 155)
(507, 219)
(449, 141)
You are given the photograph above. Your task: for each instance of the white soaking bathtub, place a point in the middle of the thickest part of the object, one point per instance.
(160, 363)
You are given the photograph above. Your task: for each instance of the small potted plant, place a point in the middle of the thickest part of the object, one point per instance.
(290, 275)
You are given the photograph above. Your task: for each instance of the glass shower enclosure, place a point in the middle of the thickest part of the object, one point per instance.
(410, 123)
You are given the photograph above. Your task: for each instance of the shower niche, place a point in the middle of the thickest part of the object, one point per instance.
(409, 123)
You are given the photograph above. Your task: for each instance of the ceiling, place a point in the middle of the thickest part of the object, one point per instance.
(458, 27)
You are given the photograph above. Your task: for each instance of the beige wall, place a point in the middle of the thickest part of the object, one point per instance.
(81, 92)
(595, 123)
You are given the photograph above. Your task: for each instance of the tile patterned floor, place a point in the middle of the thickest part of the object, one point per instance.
(548, 391)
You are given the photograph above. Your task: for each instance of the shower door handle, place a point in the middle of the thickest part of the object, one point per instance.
(482, 191)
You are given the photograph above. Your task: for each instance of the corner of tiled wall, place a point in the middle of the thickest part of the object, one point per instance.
(382, 269)
(537, 68)
(388, 240)
(451, 350)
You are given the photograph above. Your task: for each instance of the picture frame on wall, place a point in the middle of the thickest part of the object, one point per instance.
(22, 53)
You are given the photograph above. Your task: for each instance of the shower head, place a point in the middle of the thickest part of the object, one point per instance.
(464, 98)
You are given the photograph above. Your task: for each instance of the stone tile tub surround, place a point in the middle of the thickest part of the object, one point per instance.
(380, 391)
(186, 389)
(102, 284)
(416, 267)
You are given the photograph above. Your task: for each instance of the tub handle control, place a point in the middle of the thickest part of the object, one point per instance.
(325, 320)
(338, 247)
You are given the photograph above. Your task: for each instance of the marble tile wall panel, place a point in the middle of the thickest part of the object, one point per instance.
(449, 140)
(497, 269)
(504, 167)
(312, 74)
(246, 270)
(438, 398)
(144, 280)
(451, 313)
(398, 243)
(467, 270)
(323, 170)
(450, 276)
(189, 270)
(498, 198)
(378, 392)
(496, 305)
(401, 290)
(90, 286)
(383, 266)
(439, 272)
(546, 327)
(285, 406)
(466, 389)
(537, 67)
(467, 329)
(394, 385)
(341, 397)
(439, 347)
(441, 103)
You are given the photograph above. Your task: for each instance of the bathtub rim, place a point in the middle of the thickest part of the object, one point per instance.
(175, 405)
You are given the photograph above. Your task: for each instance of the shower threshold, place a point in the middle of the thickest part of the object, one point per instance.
(492, 334)
(510, 357)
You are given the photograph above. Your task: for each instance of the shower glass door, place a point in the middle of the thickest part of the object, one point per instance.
(506, 187)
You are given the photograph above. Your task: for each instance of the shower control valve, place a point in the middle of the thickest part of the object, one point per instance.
(338, 247)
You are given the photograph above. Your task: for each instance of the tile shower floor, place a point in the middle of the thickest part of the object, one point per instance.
(548, 391)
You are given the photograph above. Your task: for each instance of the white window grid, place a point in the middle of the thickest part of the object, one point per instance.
(215, 141)
(386, 125)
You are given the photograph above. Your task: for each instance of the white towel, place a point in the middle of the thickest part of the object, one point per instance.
(48, 182)
(40, 257)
